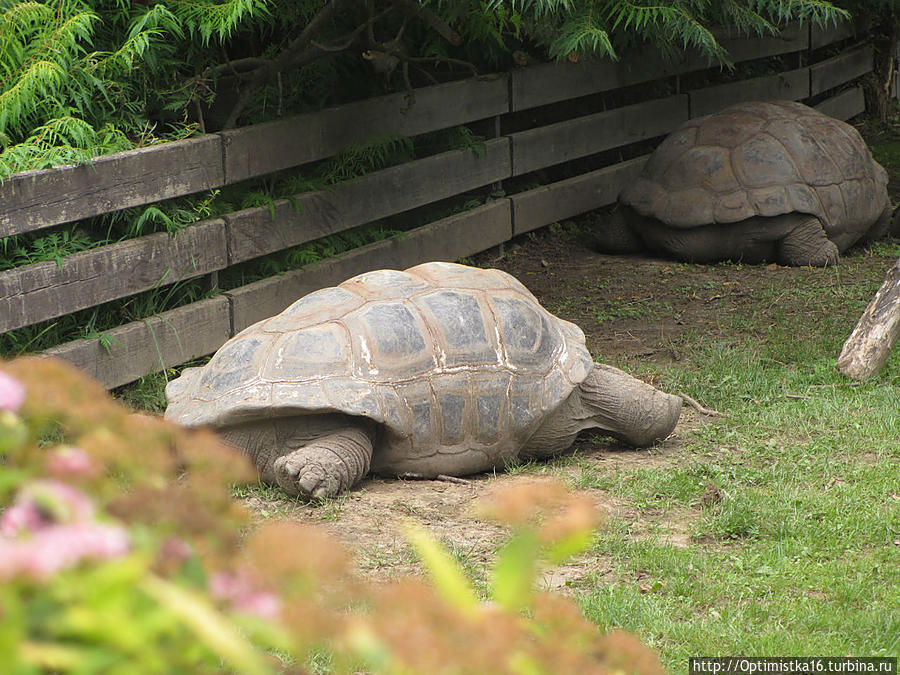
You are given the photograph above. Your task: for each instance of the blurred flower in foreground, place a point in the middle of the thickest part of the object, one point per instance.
(68, 461)
(59, 547)
(50, 527)
(563, 521)
(238, 589)
(43, 503)
(12, 394)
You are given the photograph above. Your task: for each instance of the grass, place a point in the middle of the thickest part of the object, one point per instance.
(792, 506)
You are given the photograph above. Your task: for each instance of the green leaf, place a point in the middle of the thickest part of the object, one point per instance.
(450, 580)
(572, 545)
(53, 657)
(515, 570)
(207, 624)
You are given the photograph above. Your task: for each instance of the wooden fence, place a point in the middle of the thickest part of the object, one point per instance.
(39, 199)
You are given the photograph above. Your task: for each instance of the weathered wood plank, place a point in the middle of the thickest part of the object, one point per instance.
(564, 199)
(792, 85)
(45, 290)
(827, 35)
(849, 103)
(447, 239)
(546, 83)
(256, 232)
(162, 341)
(840, 69)
(551, 82)
(793, 37)
(36, 199)
(281, 144)
(582, 136)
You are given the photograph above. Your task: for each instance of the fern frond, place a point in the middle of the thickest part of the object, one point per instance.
(819, 11)
(217, 20)
(583, 34)
(664, 24)
(744, 19)
(369, 155)
(42, 79)
(64, 140)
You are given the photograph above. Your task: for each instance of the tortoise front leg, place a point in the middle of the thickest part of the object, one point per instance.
(328, 465)
(627, 408)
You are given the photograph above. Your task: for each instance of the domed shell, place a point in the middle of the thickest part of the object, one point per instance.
(761, 159)
(447, 358)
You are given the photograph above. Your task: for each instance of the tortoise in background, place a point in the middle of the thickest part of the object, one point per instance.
(441, 369)
(777, 181)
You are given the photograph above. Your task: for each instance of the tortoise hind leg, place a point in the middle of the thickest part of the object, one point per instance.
(612, 400)
(806, 243)
(328, 465)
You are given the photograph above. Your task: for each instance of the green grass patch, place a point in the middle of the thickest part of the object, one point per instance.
(791, 504)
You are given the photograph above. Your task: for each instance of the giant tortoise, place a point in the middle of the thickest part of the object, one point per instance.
(778, 182)
(440, 369)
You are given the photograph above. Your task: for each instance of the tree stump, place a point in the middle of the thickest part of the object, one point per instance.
(870, 343)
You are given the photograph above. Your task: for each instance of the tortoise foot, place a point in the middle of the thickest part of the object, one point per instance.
(304, 477)
(327, 467)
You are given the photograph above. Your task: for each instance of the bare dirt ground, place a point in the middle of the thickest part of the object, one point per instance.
(637, 313)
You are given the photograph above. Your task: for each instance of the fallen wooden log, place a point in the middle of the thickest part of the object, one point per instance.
(870, 343)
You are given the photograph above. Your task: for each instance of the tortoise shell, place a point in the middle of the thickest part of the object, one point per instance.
(762, 159)
(447, 358)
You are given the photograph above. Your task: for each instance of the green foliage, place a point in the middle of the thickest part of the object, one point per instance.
(591, 28)
(79, 78)
(358, 159)
(16, 251)
(122, 550)
(86, 77)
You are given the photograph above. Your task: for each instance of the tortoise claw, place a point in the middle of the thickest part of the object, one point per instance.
(303, 479)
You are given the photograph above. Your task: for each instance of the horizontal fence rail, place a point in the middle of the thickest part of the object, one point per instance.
(39, 199)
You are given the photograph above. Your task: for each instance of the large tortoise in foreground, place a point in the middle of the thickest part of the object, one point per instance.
(777, 181)
(441, 369)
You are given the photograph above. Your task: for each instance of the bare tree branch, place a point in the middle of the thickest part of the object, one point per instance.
(254, 72)
(299, 51)
(436, 23)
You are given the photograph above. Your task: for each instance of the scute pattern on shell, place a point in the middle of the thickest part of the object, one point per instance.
(761, 159)
(436, 354)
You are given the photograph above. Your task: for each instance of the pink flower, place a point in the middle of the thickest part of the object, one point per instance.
(43, 503)
(70, 461)
(59, 547)
(244, 596)
(51, 527)
(22, 517)
(12, 393)
(176, 549)
(59, 502)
